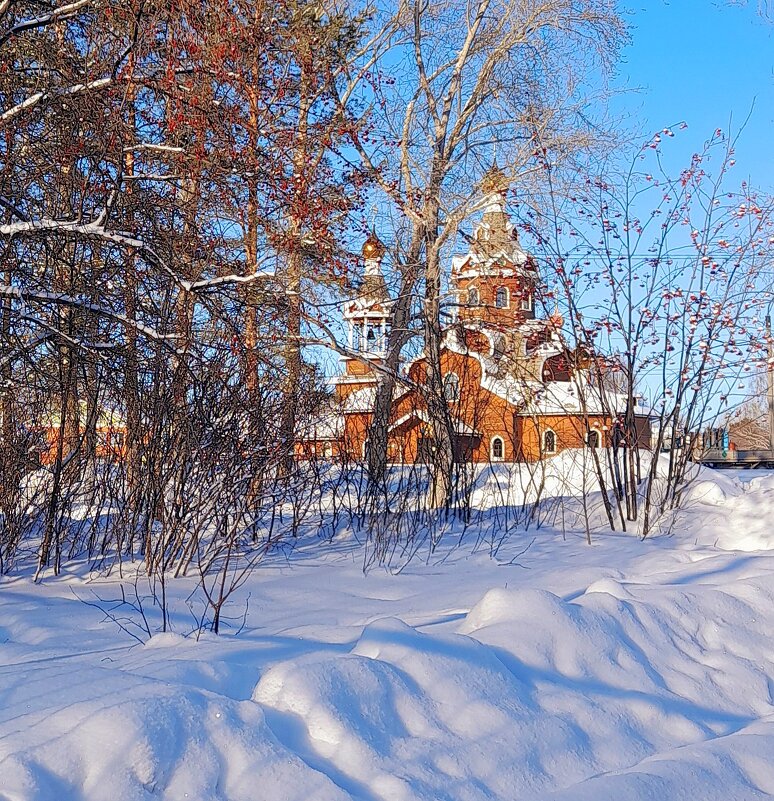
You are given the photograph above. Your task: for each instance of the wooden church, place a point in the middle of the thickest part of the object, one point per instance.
(514, 391)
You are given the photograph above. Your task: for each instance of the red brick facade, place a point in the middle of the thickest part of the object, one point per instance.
(512, 388)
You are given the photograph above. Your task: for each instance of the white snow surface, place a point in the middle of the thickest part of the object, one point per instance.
(627, 669)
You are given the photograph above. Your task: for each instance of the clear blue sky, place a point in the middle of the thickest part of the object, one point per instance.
(705, 62)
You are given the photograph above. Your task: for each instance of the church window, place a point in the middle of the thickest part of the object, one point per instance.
(498, 348)
(593, 438)
(451, 387)
(473, 297)
(526, 302)
(549, 441)
(501, 298)
(497, 449)
(371, 337)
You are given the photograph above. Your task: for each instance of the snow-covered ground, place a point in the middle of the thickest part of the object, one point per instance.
(623, 670)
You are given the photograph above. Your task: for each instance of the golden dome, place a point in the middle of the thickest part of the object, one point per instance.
(494, 180)
(373, 248)
(556, 320)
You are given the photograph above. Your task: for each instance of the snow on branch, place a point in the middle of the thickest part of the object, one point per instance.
(57, 15)
(96, 229)
(62, 299)
(210, 283)
(154, 148)
(33, 100)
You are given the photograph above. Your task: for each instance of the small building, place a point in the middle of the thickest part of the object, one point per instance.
(514, 390)
(108, 432)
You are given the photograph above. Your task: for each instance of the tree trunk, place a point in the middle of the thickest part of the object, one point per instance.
(397, 338)
(439, 492)
(293, 363)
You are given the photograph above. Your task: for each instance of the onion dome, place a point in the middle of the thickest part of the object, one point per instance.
(374, 287)
(556, 320)
(495, 181)
(373, 247)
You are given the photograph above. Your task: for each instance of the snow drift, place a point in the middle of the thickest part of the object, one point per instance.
(629, 669)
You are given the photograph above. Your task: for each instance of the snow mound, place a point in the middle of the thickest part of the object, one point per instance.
(709, 492)
(626, 670)
(167, 639)
(113, 736)
(734, 515)
(610, 587)
(711, 487)
(497, 605)
(532, 691)
(764, 484)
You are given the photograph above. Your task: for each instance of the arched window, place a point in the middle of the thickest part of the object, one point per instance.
(327, 450)
(526, 301)
(497, 449)
(357, 335)
(501, 298)
(498, 348)
(451, 387)
(473, 297)
(372, 337)
(549, 441)
(593, 438)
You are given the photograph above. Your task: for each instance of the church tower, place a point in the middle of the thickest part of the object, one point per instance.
(495, 281)
(368, 314)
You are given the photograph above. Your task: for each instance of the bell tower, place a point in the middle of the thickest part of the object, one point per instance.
(368, 314)
(495, 281)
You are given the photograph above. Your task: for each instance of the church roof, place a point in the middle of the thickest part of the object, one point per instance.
(460, 426)
(374, 288)
(495, 244)
(363, 306)
(361, 400)
(327, 424)
(561, 397)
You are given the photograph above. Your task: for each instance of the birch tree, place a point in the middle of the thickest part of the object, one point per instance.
(462, 84)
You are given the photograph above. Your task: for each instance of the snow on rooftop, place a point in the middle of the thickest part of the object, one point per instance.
(460, 426)
(557, 397)
(324, 426)
(361, 400)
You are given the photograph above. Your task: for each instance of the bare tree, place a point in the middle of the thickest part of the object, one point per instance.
(468, 81)
(672, 293)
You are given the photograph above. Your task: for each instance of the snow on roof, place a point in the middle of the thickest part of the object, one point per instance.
(507, 387)
(471, 265)
(534, 397)
(460, 426)
(327, 424)
(563, 397)
(367, 307)
(361, 400)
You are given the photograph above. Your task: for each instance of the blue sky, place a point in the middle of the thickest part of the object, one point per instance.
(705, 62)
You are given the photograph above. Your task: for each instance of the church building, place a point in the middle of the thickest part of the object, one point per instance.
(515, 392)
